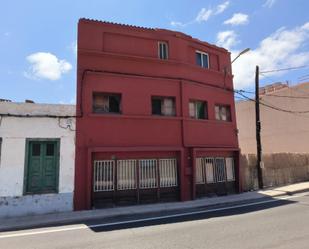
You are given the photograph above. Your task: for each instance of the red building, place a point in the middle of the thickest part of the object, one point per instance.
(156, 117)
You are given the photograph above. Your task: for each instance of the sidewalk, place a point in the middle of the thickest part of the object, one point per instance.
(79, 216)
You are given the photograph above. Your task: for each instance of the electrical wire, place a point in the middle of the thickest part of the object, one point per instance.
(244, 91)
(266, 76)
(304, 76)
(287, 96)
(284, 69)
(272, 106)
(303, 80)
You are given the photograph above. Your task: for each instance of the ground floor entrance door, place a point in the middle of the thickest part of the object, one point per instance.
(42, 166)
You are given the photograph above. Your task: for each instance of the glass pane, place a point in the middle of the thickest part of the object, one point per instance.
(50, 149)
(223, 113)
(200, 110)
(36, 149)
(114, 104)
(100, 103)
(229, 167)
(156, 106)
(199, 59)
(228, 113)
(205, 60)
(217, 112)
(205, 110)
(192, 109)
(220, 173)
(168, 107)
(160, 51)
(164, 48)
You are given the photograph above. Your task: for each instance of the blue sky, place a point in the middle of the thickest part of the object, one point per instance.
(37, 38)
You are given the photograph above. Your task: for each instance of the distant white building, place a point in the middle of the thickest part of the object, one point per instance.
(37, 153)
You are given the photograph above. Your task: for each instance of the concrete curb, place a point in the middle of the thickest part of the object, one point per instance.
(58, 219)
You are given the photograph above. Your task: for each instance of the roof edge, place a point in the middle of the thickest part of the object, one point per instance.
(168, 31)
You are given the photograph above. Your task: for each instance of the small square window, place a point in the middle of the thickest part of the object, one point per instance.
(106, 103)
(50, 149)
(163, 50)
(198, 109)
(36, 149)
(202, 59)
(164, 106)
(223, 112)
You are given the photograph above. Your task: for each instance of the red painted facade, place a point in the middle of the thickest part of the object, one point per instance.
(114, 58)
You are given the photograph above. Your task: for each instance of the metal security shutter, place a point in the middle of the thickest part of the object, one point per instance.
(126, 174)
(214, 175)
(230, 171)
(168, 172)
(117, 182)
(104, 171)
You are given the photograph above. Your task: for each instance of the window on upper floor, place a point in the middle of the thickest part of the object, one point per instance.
(106, 102)
(202, 59)
(198, 109)
(164, 106)
(163, 50)
(223, 112)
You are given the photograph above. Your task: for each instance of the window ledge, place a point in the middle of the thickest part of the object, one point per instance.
(209, 121)
(158, 117)
(152, 59)
(110, 115)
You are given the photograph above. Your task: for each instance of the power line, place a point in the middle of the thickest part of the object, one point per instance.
(244, 91)
(261, 73)
(292, 88)
(284, 69)
(303, 79)
(304, 76)
(272, 106)
(287, 96)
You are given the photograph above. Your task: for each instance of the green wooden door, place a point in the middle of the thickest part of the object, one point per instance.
(42, 167)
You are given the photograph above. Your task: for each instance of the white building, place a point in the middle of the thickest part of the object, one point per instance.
(37, 153)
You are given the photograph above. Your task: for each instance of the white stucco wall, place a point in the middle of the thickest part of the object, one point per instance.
(14, 131)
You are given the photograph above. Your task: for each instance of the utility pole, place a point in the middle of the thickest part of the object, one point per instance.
(258, 130)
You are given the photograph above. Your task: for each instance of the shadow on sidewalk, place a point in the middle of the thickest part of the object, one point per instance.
(125, 217)
(201, 213)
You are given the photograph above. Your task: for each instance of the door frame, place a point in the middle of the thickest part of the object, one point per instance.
(27, 149)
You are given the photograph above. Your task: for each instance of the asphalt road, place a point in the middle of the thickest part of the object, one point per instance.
(270, 224)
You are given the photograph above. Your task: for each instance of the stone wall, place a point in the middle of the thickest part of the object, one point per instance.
(279, 169)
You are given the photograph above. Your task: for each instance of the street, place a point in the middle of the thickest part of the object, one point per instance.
(280, 224)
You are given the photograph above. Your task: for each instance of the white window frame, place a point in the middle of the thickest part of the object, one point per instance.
(167, 53)
(203, 53)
